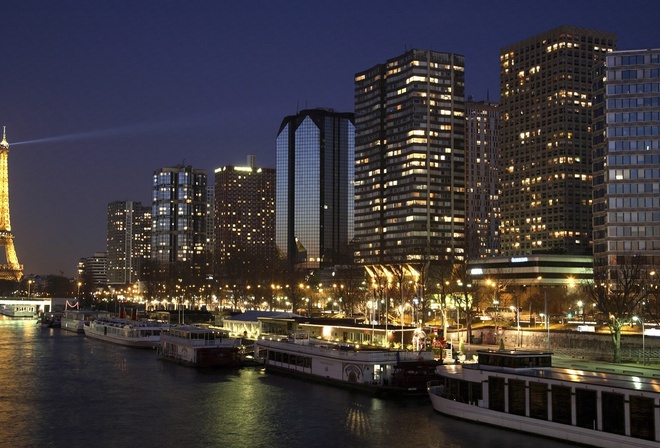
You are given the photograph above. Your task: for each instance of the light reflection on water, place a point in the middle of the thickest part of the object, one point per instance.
(58, 389)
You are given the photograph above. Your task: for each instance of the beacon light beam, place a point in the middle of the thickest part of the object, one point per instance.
(174, 124)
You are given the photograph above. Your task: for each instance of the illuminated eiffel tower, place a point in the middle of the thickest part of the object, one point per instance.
(11, 270)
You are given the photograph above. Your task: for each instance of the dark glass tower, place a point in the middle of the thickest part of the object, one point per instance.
(315, 195)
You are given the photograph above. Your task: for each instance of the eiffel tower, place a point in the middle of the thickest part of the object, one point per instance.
(11, 270)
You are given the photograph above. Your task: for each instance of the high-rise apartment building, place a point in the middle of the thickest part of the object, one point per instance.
(245, 218)
(482, 196)
(627, 159)
(315, 194)
(546, 90)
(178, 216)
(128, 241)
(409, 161)
(92, 271)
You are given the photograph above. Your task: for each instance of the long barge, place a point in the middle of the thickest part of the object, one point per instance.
(521, 390)
(376, 370)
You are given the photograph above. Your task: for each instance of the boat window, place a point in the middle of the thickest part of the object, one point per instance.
(538, 400)
(561, 405)
(641, 425)
(517, 400)
(614, 414)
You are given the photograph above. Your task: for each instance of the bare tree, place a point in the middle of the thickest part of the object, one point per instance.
(620, 292)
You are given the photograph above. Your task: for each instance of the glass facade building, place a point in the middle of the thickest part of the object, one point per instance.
(627, 158)
(245, 217)
(315, 191)
(546, 90)
(128, 241)
(410, 160)
(178, 217)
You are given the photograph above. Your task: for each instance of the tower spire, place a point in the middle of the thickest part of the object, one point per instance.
(11, 270)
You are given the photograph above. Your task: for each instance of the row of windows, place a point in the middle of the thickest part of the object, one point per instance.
(632, 131)
(615, 217)
(621, 188)
(636, 231)
(634, 145)
(638, 59)
(634, 246)
(621, 103)
(286, 358)
(634, 74)
(637, 202)
(642, 159)
(628, 117)
(642, 173)
(618, 89)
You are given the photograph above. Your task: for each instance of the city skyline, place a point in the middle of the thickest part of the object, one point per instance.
(109, 92)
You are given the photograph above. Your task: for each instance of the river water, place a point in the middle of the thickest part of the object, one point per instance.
(61, 389)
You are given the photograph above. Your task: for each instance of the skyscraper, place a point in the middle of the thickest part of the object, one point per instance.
(314, 203)
(546, 89)
(482, 196)
(178, 215)
(409, 162)
(627, 159)
(128, 241)
(245, 218)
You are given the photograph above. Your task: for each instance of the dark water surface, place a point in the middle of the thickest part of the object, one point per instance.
(60, 389)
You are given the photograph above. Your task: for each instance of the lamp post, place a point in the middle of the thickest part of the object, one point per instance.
(547, 316)
(29, 284)
(641, 320)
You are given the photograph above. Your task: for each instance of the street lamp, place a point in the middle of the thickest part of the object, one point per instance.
(641, 320)
(29, 284)
(78, 295)
(547, 316)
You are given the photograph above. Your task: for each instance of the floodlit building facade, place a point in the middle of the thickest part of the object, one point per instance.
(546, 90)
(128, 241)
(410, 160)
(315, 193)
(627, 159)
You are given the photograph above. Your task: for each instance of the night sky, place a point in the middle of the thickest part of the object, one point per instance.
(96, 95)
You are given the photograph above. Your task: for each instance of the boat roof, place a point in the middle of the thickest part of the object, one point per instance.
(569, 375)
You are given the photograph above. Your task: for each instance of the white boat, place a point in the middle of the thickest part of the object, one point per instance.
(132, 333)
(376, 370)
(19, 310)
(75, 320)
(520, 390)
(200, 347)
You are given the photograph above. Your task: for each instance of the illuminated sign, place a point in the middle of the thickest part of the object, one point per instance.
(519, 260)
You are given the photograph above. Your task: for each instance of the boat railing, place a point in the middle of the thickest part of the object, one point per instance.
(366, 355)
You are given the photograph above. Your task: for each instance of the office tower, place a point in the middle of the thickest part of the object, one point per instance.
(128, 241)
(92, 271)
(210, 220)
(178, 217)
(314, 203)
(245, 219)
(546, 92)
(627, 159)
(409, 162)
(482, 196)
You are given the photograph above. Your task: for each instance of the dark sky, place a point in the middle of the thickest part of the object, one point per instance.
(109, 91)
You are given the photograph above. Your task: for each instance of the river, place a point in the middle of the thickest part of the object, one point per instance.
(61, 389)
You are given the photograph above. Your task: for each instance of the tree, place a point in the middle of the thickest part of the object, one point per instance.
(620, 292)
